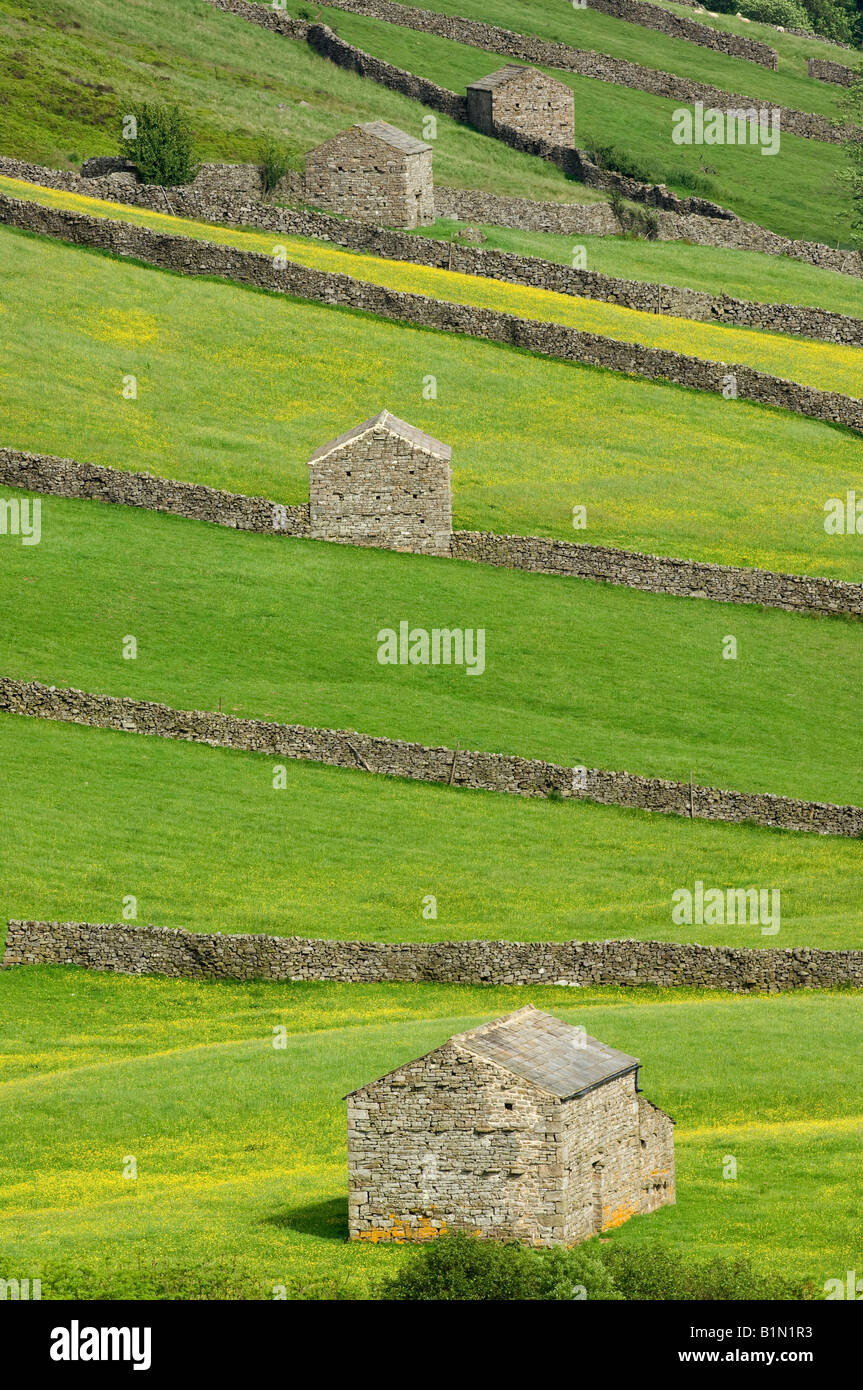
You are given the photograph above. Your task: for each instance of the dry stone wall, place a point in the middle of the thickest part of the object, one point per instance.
(214, 196)
(653, 17)
(655, 574)
(186, 256)
(142, 950)
(97, 482)
(824, 71)
(496, 772)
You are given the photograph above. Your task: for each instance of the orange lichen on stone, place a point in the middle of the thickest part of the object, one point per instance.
(615, 1216)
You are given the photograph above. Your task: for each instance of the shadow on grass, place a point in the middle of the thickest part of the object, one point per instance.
(328, 1219)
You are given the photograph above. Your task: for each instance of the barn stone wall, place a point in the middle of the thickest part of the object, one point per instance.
(432, 1147)
(361, 176)
(477, 771)
(145, 950)
(189, 257)
(382, 490)
(529, 102)
(657, 1156)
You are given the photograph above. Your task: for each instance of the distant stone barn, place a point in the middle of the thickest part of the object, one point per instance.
(525, 1128)
(383, 483)
(525, 99)
(374, 173)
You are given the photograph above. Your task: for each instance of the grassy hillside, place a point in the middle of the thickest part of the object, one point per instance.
(793, 49)
(240, 1147)
(575, 672)
(826, 366)
(601, 33)
(793, 192)
(203, 841)
(69, 71)
(224, 398)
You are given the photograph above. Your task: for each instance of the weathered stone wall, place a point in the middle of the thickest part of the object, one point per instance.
(381, 489)
(201, 201)
(652, 17)
(66, 478)
(432, 1147)
(142, 950)
(189, 257)
(655, 574)
(656, 1130)
(661, 574)
(527, 100)
(825, 71)
(496, 772)
(360, 176)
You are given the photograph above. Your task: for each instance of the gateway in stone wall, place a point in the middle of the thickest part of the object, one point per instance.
(383, 483)
(373, 173)
(522, 1129)
(525, 99)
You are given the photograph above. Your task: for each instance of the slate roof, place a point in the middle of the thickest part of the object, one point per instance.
(395, 426)
(547, 1052)
(391, 135)
(539, 1048)
(497, 79)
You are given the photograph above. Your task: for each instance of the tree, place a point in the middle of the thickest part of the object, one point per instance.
(161, 149)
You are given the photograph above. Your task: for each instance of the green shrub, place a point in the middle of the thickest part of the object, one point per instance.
(162, 148)
(466, 1268)
(274, 161)
(635, 222)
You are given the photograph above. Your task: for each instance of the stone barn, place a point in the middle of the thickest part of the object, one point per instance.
(373, 172)
(525, 1128)
(525, 99)
(383, 483)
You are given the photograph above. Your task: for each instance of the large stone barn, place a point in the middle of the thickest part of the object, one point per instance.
(383, 483)
(525, 99)
(525, 1128)
(375, 173)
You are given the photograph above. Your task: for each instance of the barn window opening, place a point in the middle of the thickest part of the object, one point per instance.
(507, 1105)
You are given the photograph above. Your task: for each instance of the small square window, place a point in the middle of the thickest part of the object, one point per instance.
(507, 1105)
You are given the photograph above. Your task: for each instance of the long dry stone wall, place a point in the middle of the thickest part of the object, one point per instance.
(652, 17)
(496, 772)
(186, 256)
(205, 199)
(617, 71)
(655, 574)
(65, 478)
(182, 954)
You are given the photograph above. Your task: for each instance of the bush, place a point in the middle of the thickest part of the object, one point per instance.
(162, 148)
(274, 161)
(635, 222)
(468, 1269)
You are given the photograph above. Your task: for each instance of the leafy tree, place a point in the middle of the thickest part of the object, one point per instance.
(162, 147)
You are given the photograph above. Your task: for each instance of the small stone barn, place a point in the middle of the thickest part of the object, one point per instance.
(383, 483)
(525, 1128)
(373, 172)
(525, 99)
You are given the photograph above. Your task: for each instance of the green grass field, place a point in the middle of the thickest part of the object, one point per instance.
(793, 192)
(826, 366)
(575, 672)
(601, 33)
(202, 839)
(70, 72)
(240, 1147)
(223, 398)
